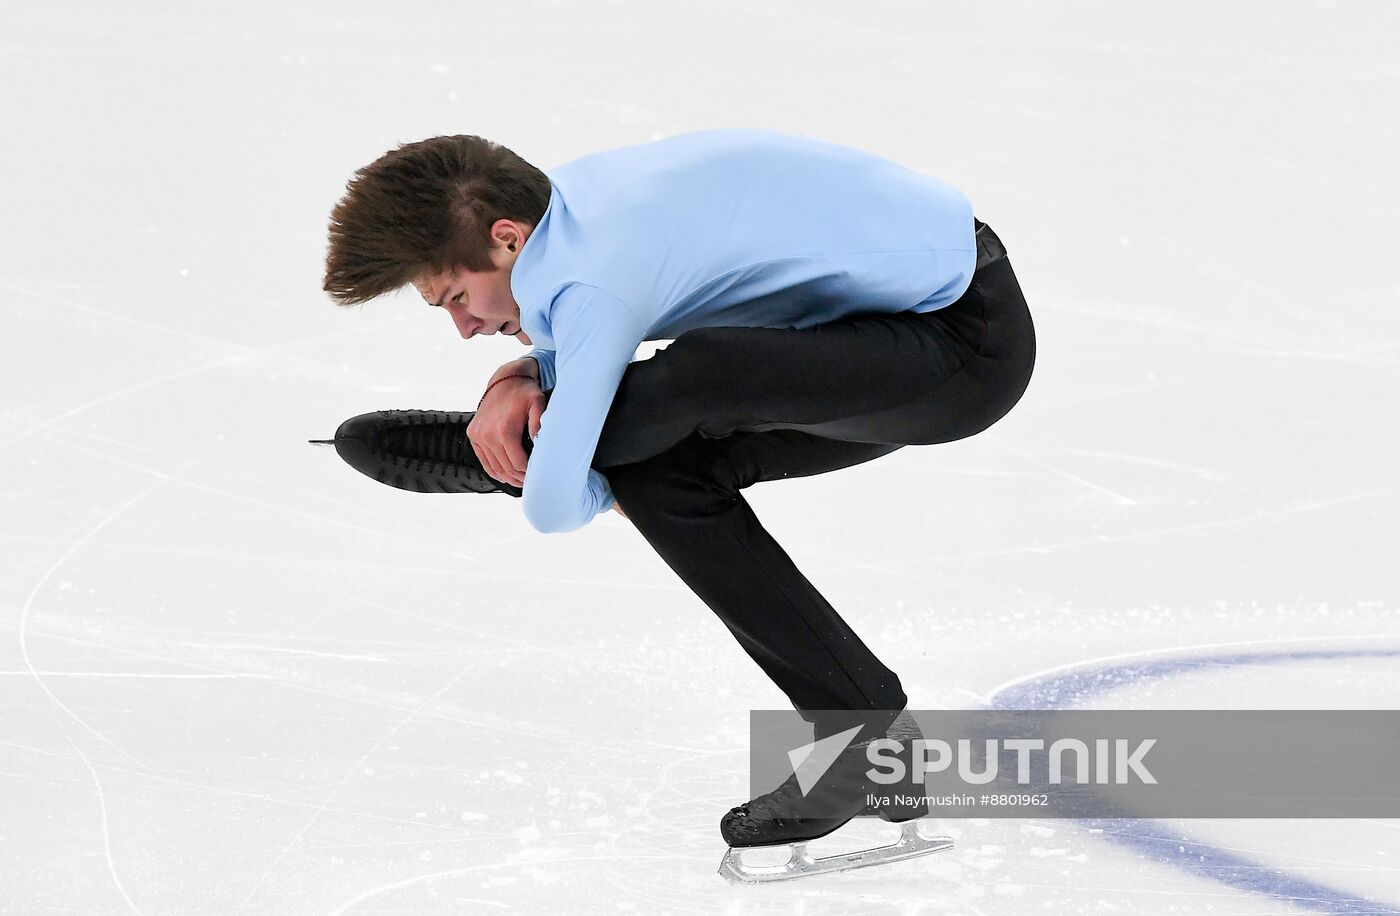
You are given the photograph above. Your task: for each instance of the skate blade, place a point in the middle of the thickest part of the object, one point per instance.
(802, 863)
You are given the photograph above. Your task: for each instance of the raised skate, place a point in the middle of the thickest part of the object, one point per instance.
(425, 451)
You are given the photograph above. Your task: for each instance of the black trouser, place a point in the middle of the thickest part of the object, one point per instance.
(722, 408)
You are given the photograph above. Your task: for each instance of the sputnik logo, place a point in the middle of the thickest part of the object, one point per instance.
(811, 761)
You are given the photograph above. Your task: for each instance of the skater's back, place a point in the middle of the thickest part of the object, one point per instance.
(745, 228)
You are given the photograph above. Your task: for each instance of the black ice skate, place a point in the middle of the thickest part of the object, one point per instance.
(838, 795)
(426, 451)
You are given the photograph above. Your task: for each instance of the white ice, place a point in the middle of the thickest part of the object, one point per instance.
(238, 678)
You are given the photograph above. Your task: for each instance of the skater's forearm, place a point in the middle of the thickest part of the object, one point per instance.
(598, 334)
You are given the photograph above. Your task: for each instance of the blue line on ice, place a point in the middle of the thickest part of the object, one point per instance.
(1065, 689)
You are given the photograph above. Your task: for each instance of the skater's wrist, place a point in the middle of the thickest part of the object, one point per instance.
(497, 380)
(526, 365)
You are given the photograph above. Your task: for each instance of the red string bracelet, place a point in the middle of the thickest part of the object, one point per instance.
(497, 382)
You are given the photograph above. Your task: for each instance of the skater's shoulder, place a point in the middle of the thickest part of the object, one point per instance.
(577, 310)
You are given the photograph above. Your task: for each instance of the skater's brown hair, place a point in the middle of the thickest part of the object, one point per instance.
(424, 208)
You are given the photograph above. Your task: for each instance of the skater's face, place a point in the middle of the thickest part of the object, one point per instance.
(482, 303)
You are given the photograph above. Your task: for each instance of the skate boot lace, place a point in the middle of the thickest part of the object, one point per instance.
(435, 440)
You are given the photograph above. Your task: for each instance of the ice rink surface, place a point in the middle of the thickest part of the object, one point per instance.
(238, 678)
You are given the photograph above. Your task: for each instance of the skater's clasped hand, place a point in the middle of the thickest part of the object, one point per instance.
(496, 429)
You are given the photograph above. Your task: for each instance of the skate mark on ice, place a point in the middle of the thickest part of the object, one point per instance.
(23, 626)
(1259, 516)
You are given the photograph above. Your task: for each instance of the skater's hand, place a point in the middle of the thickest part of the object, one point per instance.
(617, 507)
(495, 430)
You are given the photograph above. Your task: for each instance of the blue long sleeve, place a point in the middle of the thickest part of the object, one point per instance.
(596, 336)
(545, 360)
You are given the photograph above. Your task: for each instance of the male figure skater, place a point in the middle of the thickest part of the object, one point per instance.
(826, 307)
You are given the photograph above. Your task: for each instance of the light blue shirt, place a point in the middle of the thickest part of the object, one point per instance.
(749, 228)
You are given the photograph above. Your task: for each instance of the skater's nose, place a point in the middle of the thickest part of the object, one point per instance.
(467, 326)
